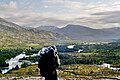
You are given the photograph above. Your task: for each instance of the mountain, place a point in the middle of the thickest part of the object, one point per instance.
(7, 23)
(6, 26)
(84, 33)
(46, 28)
(115, 30)
(12, 34)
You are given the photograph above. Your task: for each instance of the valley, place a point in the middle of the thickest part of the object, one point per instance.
(81, 50)
(96, 61)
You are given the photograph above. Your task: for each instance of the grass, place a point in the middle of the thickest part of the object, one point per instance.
(80, 54)
(68, 71)
(87, 71)
(24, 72)
(118, 53)
(24, 39)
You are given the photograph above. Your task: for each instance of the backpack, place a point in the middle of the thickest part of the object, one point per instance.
(48, 61)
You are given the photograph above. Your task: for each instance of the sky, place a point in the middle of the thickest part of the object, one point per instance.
(34, 13)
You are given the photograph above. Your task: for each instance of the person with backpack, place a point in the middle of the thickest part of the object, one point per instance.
(48, 63)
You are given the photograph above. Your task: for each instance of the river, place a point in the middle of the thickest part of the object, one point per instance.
(13, 62)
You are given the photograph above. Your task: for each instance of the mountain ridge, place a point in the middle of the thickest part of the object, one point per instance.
(46, 28)
(12, 34)
(84, 33)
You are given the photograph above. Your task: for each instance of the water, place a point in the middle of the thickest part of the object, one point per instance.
(13, 62)
(108, 66)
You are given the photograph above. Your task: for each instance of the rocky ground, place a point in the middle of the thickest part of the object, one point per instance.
(25, 78)
(41, 78)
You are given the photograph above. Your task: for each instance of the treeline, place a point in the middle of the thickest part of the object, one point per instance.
(89, 59)
(101, 48)
(100, 53)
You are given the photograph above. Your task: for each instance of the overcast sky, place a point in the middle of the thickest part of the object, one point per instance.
(34, 13)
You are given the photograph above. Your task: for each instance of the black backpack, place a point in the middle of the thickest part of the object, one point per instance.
(48, 61)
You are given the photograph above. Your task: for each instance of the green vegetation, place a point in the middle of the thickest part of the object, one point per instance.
(73, 64)
(86, 71)
(24, 38)
(24, 72)
(7, 54)
(88, 58)
(68, 71)
(93, 54)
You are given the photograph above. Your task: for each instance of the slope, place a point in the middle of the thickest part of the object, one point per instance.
(84, 33)
(12, 34)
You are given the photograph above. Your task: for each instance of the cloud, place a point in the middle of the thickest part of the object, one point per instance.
(110, 17)
(54, 1)
(63, 12)
(101, 20)
(27, 17)
(11, 6)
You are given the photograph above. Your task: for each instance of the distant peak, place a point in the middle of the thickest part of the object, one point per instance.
(75, 25)
(47, 26)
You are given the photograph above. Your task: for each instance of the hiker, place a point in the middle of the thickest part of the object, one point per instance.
(48, 63)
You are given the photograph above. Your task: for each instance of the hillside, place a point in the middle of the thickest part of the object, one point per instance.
(84, 33)
(12, 35)
(115, 31)
(7, 25)
(69, 72)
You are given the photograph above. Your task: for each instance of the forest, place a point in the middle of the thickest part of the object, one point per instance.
(91, 54)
